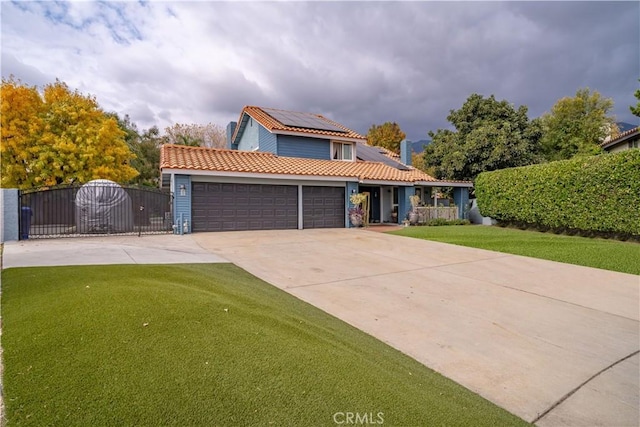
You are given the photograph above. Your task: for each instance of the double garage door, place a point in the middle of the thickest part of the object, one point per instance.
(228, 207)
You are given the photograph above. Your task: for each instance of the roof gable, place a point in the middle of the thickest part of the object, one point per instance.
(273, 123)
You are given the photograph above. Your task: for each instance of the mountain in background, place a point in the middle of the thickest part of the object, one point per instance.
(624, 126)
(418, 146)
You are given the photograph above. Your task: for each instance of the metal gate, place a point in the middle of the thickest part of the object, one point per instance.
(96, 208)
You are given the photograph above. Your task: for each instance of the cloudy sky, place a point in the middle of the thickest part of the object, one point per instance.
(357, 62)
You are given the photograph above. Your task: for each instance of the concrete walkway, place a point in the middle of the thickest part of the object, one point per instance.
(553, 343)
(147, 249)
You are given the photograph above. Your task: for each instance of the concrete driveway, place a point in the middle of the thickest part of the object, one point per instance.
(554, 343)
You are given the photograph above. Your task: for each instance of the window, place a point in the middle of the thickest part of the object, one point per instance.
(342, 151)
(633, 144)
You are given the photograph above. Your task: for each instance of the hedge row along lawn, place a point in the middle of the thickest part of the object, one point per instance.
(600, 253)
(203, 344)
(597, 193)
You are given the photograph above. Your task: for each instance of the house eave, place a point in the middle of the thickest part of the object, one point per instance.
(238, 126)
(276, 176)
(385, 182)
(445, 184)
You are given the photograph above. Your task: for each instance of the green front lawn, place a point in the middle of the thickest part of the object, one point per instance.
(600, 253)
(203, 344)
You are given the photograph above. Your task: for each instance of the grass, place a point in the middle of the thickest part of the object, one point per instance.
(203, 344)
(591, 252)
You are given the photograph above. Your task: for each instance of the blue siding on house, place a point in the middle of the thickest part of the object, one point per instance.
(404, 204)
(352, 188)
(299, 146)
(461, 198)
(182, 202)
(267, 141)
(231, 127)
(250, 136)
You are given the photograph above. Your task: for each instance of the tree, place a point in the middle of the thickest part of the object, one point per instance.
(209, 135)
(417, 161)
(388, 135)
(148, 156)
(636, 110)
(577, 126)
(489, 135)
(58, 137)
(146, 147)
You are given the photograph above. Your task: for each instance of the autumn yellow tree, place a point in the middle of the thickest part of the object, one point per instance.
(387, 135)
(58, 137)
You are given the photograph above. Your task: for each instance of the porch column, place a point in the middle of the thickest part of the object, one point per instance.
(461, 198)
(300, 208)
(404, 203)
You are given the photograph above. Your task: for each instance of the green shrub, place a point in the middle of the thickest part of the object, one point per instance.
(594, 194)
(442, 221)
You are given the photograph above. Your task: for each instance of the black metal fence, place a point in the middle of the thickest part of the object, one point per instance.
(96, 208)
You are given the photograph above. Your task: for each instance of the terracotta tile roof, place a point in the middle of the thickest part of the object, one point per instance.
(621, 137)
(215, 160)
(275, 126)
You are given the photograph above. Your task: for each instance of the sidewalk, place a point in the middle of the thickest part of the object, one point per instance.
(147, 249)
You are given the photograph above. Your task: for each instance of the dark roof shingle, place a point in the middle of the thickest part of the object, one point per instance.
(274, 126)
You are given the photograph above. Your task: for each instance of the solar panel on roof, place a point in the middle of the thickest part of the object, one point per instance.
(373, 154)
(302, 120)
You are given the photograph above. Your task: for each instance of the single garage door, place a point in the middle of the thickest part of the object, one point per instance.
(323, 207)
(228, 207)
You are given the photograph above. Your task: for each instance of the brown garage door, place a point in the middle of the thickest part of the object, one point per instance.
(227, 207)
(323, 207)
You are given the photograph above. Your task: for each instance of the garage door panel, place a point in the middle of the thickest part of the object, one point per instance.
(226, 207)
(242, 201)
(323, 207)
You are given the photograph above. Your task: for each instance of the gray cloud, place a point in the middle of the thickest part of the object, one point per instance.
(359, 63)
(27, 73)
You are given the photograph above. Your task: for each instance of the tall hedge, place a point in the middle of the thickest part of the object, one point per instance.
(599, 194)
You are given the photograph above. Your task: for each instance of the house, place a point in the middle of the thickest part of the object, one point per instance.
(624, 141)
(291, 170)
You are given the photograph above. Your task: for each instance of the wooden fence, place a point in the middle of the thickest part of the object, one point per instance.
(427, 213)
